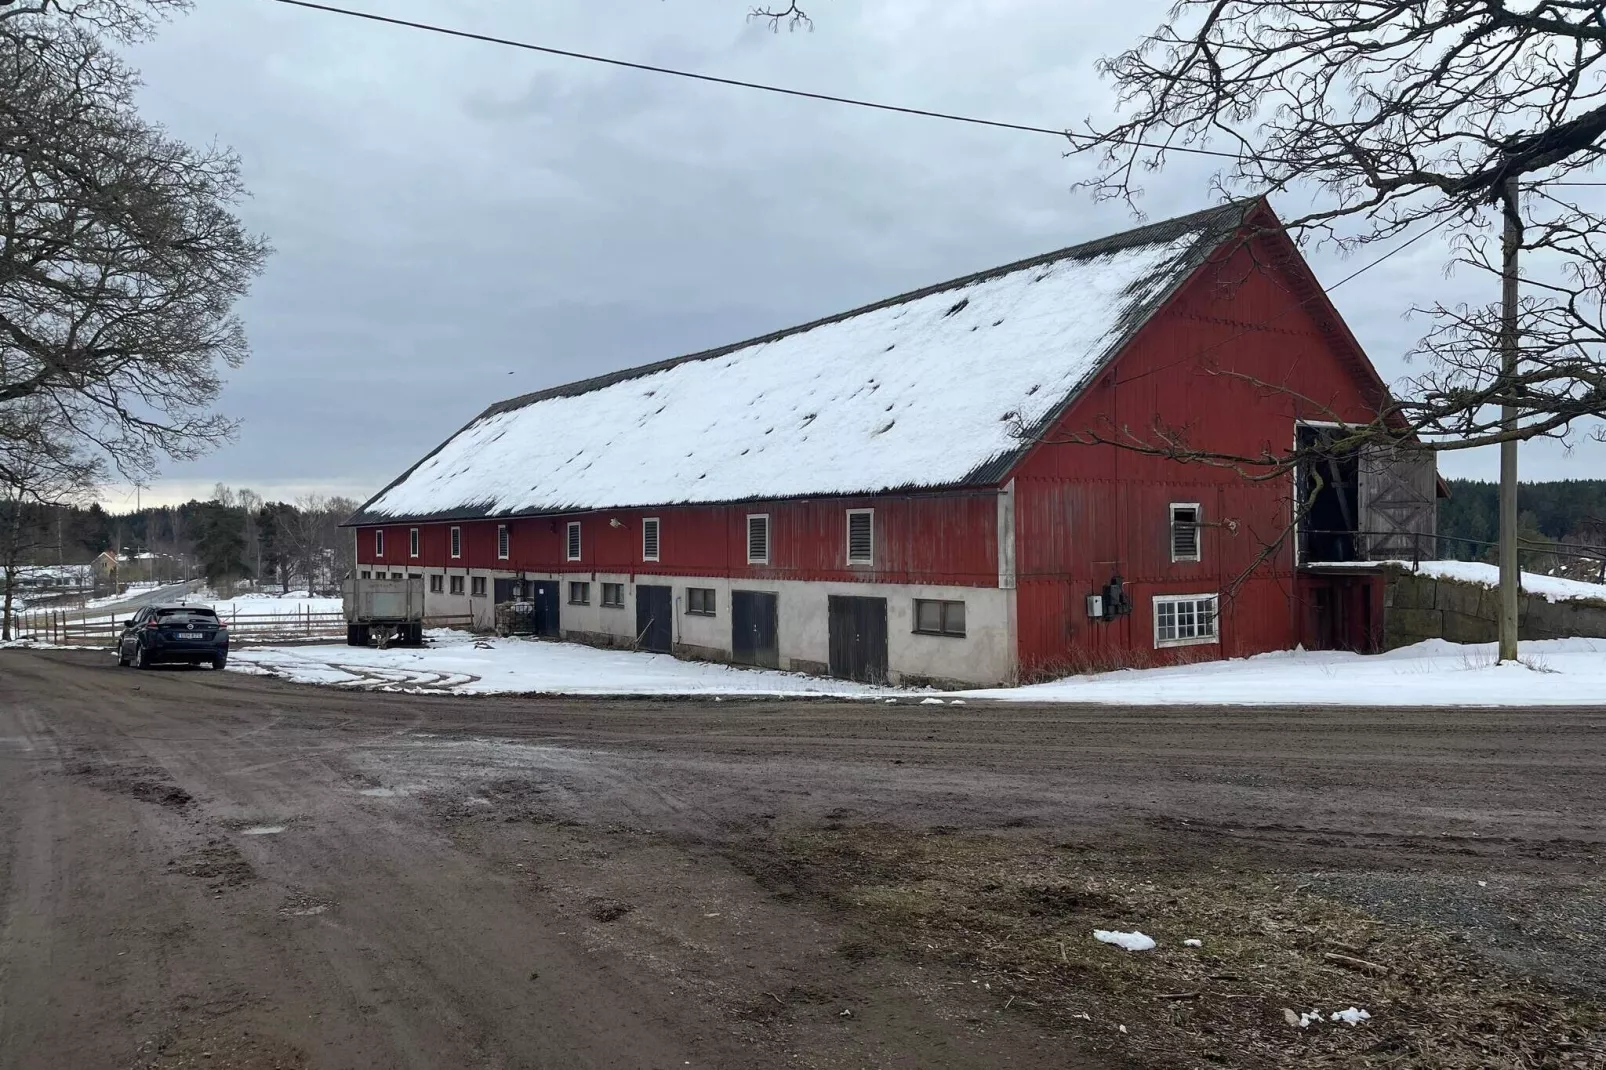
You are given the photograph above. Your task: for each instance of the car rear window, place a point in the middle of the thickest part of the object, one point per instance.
(198, 611)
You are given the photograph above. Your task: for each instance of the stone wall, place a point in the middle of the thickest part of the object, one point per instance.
(1418, 607)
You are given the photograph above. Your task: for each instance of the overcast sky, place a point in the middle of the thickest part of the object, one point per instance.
(457, 222)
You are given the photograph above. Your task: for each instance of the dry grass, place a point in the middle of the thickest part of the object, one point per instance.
(1018, 914)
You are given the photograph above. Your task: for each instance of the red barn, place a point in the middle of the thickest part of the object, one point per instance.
(896, 492)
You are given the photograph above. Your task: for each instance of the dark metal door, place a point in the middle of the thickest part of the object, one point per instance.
(544, 593)
(655, 608)
(503, 590)
(753, 629)
(859, 639)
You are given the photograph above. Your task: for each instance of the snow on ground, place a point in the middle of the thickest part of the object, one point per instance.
(1553, 672)
(459, 663)
(1550, 588)
(1132, 941)
(298, 603)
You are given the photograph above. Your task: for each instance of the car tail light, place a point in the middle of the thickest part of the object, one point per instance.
(222, 627)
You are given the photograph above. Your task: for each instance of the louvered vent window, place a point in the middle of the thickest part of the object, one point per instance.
(1184, 532)
(379, 544)
(649, 539)
(574, 540)
(501, 542)
(758, 539)
(412, 542)
(861, 536)
(457, 542)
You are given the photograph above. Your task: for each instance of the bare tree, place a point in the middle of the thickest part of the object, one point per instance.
(44, 468)
(791, 16)
(120, 258)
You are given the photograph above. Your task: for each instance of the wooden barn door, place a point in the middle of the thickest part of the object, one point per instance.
(859, 639)
(655, 608)
(1398, 503)
(754, 616)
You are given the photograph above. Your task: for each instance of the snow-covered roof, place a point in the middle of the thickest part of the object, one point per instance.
(929, 389)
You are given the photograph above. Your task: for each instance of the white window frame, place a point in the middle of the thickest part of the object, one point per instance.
(1198, 526)
(765, 559)
(379, 542)
(504, 542)
(870, 560)
(657, 538)
(1195, 639)
(457, 542)
(573, 547)
(412, 542)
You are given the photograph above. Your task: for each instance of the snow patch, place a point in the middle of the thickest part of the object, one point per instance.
(263, 830)
(1193, 943)
(1350, 1016)
(1133, 941)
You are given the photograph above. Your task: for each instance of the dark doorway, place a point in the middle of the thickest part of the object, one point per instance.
(544, 593)
(655, 619)
(503, 590)
(1329, 499)
(753, 629)
(1342, 614)
(859, 639)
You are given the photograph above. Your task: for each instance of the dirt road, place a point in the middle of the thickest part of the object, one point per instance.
(207, 869)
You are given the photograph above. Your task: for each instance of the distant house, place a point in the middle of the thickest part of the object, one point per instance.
(103, 569)
(856, 496)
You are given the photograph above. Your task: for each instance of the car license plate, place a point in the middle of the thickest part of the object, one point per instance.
(189, 635)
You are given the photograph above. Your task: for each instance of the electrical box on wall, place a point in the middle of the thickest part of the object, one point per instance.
(1095, 606)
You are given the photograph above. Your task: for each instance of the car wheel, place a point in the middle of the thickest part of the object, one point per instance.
(219, 660)
(122, 658)
(139, 658)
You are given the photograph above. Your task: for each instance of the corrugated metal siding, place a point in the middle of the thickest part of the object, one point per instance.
(948, 539)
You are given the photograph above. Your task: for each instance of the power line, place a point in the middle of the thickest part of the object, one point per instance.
(739, 84)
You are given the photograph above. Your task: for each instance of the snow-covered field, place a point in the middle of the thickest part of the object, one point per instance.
(1435, 673)
(1553, 672)
(266, 605)
(462, 664)
(1550, 588)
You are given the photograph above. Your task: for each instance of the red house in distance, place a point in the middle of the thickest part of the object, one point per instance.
(897, 493)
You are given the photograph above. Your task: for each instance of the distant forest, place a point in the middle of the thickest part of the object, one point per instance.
(1570, 512)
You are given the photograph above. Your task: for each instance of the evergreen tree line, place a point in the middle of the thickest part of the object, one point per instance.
(1555, 519)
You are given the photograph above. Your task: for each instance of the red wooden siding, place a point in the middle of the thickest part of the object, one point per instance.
(937, 539)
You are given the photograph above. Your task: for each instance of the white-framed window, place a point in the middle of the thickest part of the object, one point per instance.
(649, 539)
(1185, 619)
(379, 542)
(501, 542)
(1184, 531)
(412, 542)
(861, 536)
(457, 542)
(758, 538)
(572, 543)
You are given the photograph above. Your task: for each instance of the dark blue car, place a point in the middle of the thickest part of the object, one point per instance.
(158, 634)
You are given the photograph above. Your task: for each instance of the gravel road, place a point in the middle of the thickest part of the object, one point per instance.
(218, 870)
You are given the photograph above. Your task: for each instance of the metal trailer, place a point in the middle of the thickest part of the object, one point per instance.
(386, 612)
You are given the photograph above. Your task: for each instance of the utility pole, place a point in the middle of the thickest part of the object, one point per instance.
(1510, 577)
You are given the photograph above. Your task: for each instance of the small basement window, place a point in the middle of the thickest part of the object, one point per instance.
(367, 575)
(613, 595)
(758, 539)
(379, 543)
(457, 542)
(395, 575)
(939, 618)
(700, 601)
(573, 544)
(861, 536)
(437, 584)
(1185, 619)
(1185, 531)
(415, 575)
(579, 594)
(457, 585)
(412, 542)
(501, 542)
(477, 586)
(649, 539)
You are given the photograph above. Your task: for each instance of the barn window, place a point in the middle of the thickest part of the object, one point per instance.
(457, 585)
(700, 601)
(573, 545)
(758, 539)
(395, 575)
(457, 542)
(476, 586)
(501, 542)
(1185, 619)
(939, 618)
(437, 584)
(1184, 531)
(649, 539)
(379, 543)
(613, 595)
(579, 594)
(861, 536)
(412, 542)
(367, 575)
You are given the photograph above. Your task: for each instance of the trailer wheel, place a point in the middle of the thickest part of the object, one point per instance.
(415, 633)
(356, 635)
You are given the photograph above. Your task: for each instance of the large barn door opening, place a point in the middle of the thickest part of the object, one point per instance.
(859, 639)
(754, 617)
(655, 608)
(1328, 505)
(1399, 502)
